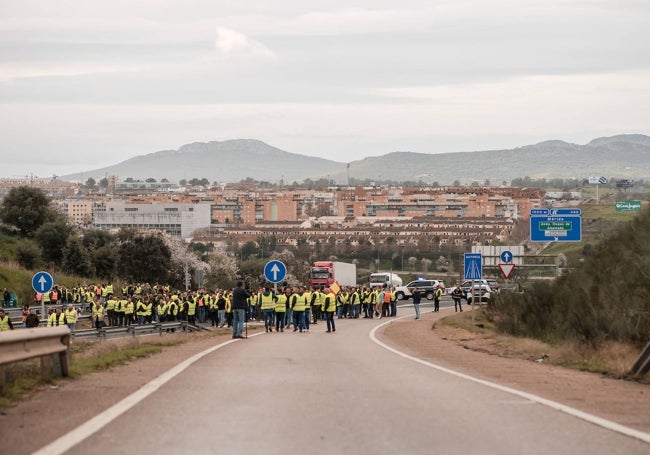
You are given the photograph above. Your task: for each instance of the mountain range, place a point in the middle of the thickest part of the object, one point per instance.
(622, 156)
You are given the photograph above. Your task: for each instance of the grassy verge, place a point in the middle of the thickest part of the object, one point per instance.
(612, 359)
(24, 378)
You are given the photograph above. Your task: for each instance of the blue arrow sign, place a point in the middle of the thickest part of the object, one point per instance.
(506, 256)
(42, 282)
(473, 266)
(555, 225)
(275, 271)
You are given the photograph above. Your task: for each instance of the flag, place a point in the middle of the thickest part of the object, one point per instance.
(335, 287)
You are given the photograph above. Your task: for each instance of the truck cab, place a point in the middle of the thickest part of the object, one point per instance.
(380, 279)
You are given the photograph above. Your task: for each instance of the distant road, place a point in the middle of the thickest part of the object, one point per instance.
(324, 393)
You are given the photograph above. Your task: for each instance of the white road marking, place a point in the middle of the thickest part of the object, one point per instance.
(74, 437)
(608, 424)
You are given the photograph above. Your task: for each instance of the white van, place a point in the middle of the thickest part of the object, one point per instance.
(384, 278)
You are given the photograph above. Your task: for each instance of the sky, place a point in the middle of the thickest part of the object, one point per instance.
(88, 84)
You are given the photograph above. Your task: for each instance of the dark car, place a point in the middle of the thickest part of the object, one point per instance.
(476, 288)
(426, 288)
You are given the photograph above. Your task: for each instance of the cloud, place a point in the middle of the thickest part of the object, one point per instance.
(231, 44)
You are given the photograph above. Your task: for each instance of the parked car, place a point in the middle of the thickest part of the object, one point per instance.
(426, 288)
(472, 288)
(494, 285)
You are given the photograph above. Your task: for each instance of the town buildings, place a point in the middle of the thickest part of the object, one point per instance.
(454, 215)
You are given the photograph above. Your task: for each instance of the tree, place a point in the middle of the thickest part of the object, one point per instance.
(91, 183)
(104, 261)
(28, 254)
(144, 257)
(27, 209)
(76, 259)
(223, 271)
(103, 183)
(150, 180)
(52, 237)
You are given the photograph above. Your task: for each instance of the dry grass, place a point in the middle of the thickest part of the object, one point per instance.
(610, 358)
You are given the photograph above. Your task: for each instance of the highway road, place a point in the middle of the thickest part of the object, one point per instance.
(330, 393)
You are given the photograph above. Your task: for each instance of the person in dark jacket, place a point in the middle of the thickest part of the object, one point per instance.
(239, 304)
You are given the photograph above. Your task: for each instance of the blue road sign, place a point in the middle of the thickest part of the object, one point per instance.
(42, 282)
(473, 266)
(506, 256)
(555, 225)
(275, 271)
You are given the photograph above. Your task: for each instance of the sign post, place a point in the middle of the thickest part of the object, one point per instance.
(42, 282)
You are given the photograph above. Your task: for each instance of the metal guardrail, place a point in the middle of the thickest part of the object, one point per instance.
(46, 343)
(135, 330)
(642, 364)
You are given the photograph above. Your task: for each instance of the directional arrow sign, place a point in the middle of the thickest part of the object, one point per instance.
(506, 270)
(275, 271)
(42, 282)
(506, 256)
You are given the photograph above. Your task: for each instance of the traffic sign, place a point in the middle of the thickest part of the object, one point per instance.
(275, 271)
(473, 266)
(506, 270)
(602, 180)
(628, 206)
(506, 256)
(42, 282)
(555, 225)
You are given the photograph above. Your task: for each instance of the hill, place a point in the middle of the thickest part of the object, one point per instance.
(624, 156)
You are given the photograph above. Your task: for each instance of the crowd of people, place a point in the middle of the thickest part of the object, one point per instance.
(288, 307)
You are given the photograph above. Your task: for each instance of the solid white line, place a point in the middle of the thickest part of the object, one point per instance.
(608, 424)
(74, 437)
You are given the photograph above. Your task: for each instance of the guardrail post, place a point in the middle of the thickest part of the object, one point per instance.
(642, 364)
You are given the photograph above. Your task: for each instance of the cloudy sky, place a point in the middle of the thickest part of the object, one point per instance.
(87, 84)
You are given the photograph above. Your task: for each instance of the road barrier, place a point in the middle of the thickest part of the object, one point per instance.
(50, 344)
(642, 364)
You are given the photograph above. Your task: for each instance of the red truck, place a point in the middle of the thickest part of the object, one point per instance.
(324, 273)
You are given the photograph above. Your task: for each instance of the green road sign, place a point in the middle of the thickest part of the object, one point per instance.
(554, 225)
(628, 206)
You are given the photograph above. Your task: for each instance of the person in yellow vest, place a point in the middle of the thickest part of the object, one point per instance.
(71, 317)
(342, 299)
(317, 297)
(172, 310)
(5, 322)
(46, 298)
(393, 302)
(280, 310)
(120, 308)
(307, 313)
(98, 313)
(191, 310)
(111, 304)
(148, 310)
(56, 319)
(288, 315)
(330, 308)
(161, 309)
(299, 301)
(140, 310)
(228, 308)
(267, 304)
(213, 306)
(129, 311)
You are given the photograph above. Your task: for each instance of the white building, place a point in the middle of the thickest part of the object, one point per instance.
(178, 219)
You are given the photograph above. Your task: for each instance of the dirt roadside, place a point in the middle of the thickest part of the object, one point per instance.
(51, 412)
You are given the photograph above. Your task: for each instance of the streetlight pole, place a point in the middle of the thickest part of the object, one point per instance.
(402, 247)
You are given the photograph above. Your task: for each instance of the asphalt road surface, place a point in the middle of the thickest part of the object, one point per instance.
(330, 393)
